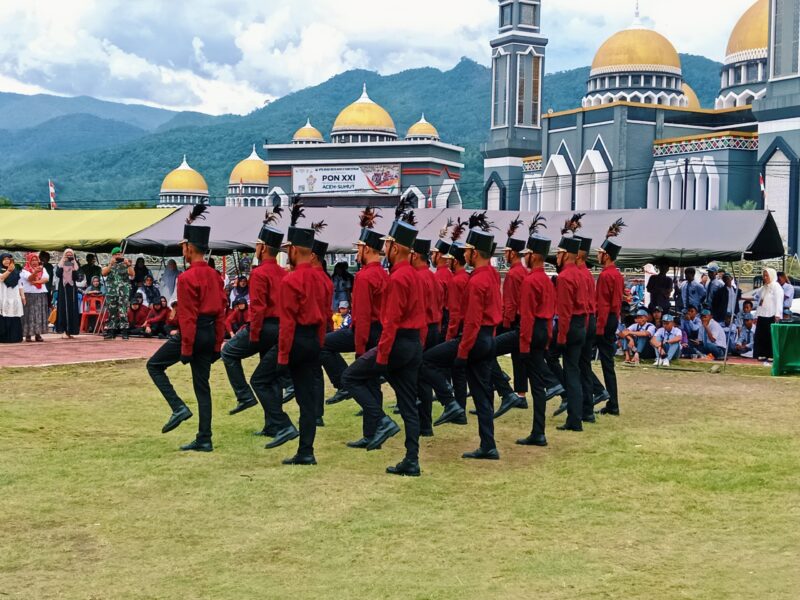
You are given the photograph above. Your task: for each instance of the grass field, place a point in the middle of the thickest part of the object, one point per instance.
(693, 493)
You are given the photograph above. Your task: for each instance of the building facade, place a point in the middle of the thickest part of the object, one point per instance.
(183, 186)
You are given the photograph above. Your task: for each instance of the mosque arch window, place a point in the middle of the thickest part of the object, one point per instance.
(500, 91)
(528, 89)
(752, 72)
(785, 22)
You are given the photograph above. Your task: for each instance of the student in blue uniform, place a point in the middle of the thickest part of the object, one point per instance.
(667, 342)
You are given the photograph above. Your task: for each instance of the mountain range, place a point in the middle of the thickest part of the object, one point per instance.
(104, 154)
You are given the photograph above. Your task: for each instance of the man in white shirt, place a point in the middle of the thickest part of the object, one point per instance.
(637, 337)
(667, 342)
(744, 344)
(712, 337)
(788, 290)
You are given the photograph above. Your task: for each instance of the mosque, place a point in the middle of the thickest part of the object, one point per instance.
(640, 138)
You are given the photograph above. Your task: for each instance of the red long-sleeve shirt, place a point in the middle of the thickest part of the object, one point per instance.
(512, 285)
(570, 298)
(482, 306)
(368, 291)
(588, 280)
(236, 319)
(137, 318)
(155, 317)
(265, 285)
(200, 292)
(300, 304)
(326, 299)
(537, 301)
(432, 295)
(610, 288)
(402, 308)
(443, 277)
(455, 302)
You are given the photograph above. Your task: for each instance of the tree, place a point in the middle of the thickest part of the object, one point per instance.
(5, 202)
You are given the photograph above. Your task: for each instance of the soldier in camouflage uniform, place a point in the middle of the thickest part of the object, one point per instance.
(118, 275)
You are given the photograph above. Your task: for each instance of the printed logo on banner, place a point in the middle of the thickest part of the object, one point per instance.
(363, 180)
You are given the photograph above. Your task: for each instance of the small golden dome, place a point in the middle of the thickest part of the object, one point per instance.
(251, 170)
(422, 129)
(691, 96)
(308, 133)
(751, 34)
(184, 179)
(364, 115)
(636, 49)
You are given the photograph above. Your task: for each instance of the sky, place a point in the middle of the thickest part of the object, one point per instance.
(219, 56)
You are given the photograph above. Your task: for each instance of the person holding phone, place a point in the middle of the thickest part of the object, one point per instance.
(69, 278)
(118, 273)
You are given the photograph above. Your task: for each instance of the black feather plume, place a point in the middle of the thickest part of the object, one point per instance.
(445, 229)
(409, 218)
(615, 229)
(318, 227)
(479, 221)
(458, 230)
(278, 210)
(402, 207)
(368, 216)
(572, 224)
(297, 211)
(272, 216)
(198, 212)
(539, 221)
(513, 226)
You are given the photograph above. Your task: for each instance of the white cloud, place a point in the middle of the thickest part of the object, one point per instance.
(205, 56)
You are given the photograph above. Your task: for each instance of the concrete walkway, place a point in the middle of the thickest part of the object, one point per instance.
(84, 348)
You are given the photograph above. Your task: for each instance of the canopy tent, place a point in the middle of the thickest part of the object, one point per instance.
(679, 238)
(89, 230)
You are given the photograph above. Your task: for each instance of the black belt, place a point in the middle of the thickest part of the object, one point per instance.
(306, 328)
(272, 320)
(206, 320)
(407, 333)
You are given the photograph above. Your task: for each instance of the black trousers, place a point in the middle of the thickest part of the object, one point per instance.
(202, 358)
(239, 348)
(445, 325)
(507, 342)
(339, 342)
(436, 364)
(606, 349)
(306, 371)
(572, 370)
(587, 376)
(536, 368)
(404, 363)
(424, 390)
(553, 359)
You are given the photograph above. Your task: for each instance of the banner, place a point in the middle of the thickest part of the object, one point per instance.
(356, 180)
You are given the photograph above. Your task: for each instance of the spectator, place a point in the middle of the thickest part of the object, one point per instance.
(747, 307)
(342, 284)
(714, 283)
(637, 338)
(788, 290)
(655, 317)
(149, 292)
(725, 299)
(90, 269)
(118, 274)
(691, 326)
(172, 320)
(769, 311)
(692, 292)
(37, 307)
(342, 318)
(169, 279)
(245, 263)
(69, 275)
(237, 318)
(137, 316)
(95, 287)
(240, 290)
(712, 338)
(744, 343)
(731, 333)
(48, 268)
(660, 287)
(12, 301)
(667, 342)
(637, 293)
(140, 271)
(157, 318)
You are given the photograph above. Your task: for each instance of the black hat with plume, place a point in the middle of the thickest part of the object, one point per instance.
(514, 244)
(302, 237)
(610, 247)
(404, 229)
(369, 237)
(269, 235)
(479, 237)
(197, 235)
(537, 244)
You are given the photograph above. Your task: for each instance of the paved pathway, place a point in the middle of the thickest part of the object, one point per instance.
(81, 349)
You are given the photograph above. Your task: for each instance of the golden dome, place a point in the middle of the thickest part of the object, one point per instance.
(691, 96)
(308, 133)
(184, 179)
(636, 49)
(251, 170)
(364, 115)
(751, 34)
(422, 129)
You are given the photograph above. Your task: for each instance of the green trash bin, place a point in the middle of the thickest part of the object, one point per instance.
(785, 348)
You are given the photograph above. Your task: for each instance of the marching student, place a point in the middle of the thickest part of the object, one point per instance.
(432, 301)
(318, 251)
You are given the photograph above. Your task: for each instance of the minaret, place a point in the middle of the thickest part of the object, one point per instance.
(518, 54)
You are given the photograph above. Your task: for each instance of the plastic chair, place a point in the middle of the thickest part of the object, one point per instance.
(92, 307)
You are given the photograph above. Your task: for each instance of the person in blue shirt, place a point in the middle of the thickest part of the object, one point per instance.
(691, 326)
(667, 342)
(637, 337)
(692, 292)
(744, 343)
(713, 341)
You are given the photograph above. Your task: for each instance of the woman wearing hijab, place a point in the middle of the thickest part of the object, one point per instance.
(241, 290)
(69, 276)
(157, 317)
(37, 307)
(140, 271)
(169, 278)
(95, 288)
(12, 301)
(769, 311)
(150, 293)
(342, 285)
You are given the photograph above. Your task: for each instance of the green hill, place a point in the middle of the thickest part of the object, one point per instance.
(456, 101)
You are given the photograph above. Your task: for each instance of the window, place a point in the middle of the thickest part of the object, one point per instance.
(786, 22)
(505, 15)
(527, 14)
(637, 81)
(752, 72)
(528, 90)
(500, 108)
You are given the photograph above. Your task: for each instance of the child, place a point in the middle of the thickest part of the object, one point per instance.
(238, 317)
(343, 318)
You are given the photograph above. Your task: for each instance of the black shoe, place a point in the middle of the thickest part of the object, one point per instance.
(124, 334)
(554, 391)
(243, 406)
(320, 422)
(566, 427)
(288, 394)
(522, 404)
(386, 429)
(589, 418)
(340, 396)
(362, 443)
(481, 454)
(284, 435)
(452, 413)
(601, 397)
(562, 408)
(197, 446)
(178, 417)
(268, 431)
(405, 468)
(609, 411)
(426, 433)
(509, 401)
(108, 335)
(300, 460)
(533, 440)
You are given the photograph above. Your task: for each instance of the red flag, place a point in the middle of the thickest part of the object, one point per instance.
(763, 187)
(429, 204)
(52, 186)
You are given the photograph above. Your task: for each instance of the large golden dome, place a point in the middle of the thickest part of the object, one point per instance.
(308, 133)
(251, 170)
(422, 129)
(750, 37)
(694, 101)
(364, 115)
(184, 179)
(636, 49)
